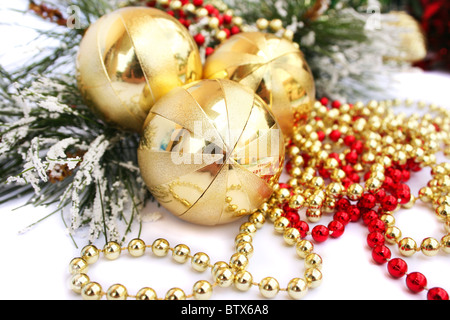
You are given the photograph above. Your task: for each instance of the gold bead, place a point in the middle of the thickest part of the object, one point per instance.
(262, 23)
(243, 280)
(224, 277)
(175, 294)
(430, 246)
(313, 260)
(248, 227)
(213, 22)
(291, 236)
(288, 34)
(334, 189)
(296, 202)
(77, 282)
(221, 35)
(372, 185)
(276, 24)
(388, 219)
(443, 212)
(355, 191)
(407, 247)
(200, 261)
(445, 243)
(426, 194)
(78, 265)
(245, 248)
(304, 248)
(447, 225)
(392, 234)
(281, 224)
(313, 277)
(201, 12)
(116, 292)
(91, 291)
(160, 247)
(243, 237)
(269, 287)
(112, 250)
(313, 215)
(297, 288)
(136, 247)
(146, 293)
(238, 261)
(176, 5)
(181, 253)
(202, 290)
(90, 254)
(257, 218)
(282, 194)
(275, 213)
(218, 265)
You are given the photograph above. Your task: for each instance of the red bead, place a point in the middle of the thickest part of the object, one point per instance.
(292, 216)
(380, 194)
(343, 204)
(209, 51)
(354, 213)
(396, 175)
(320, 233)
(416, 281)
(321, 135)
(357, 146)
(199, 39)
(355, 177)
(389, 203)
(227, 31)
(351, 157)
(367, 201)
(324, 101)
(349, 140)
(388, 183)
(406, 175)
(336, 104)
(335, 135)
(337, 228)
(397, 267)
(197, 3)
(375, 239)
(210, 8)
(377, 225)
(342, 216)
(381, 254)
(303, 227)
(369, 216)
(227, 18)
(437, 294)
(403, 193)
(235, 30)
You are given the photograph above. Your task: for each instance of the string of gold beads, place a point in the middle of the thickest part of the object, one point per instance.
(234, 273)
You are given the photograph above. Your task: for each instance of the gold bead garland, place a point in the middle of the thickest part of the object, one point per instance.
(224, 274)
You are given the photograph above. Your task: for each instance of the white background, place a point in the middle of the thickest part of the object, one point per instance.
(34, 265)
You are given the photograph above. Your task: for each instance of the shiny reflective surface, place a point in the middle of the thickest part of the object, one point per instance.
(211, 151)
(131, 57)
(273, 68)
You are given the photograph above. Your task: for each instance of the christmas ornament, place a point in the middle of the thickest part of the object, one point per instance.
(274, 68)
(412, 46)
(131, 57)
(211, 151)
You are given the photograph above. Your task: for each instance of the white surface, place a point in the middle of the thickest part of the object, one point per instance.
(34, 265)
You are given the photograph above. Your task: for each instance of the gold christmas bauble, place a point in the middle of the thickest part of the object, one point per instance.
(211, 151)
(131, 57)
(412, 45)
(273, 67)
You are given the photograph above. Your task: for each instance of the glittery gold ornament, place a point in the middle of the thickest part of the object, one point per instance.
(412, 46)
(274, 68)
(131, 57)
(211, 151)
